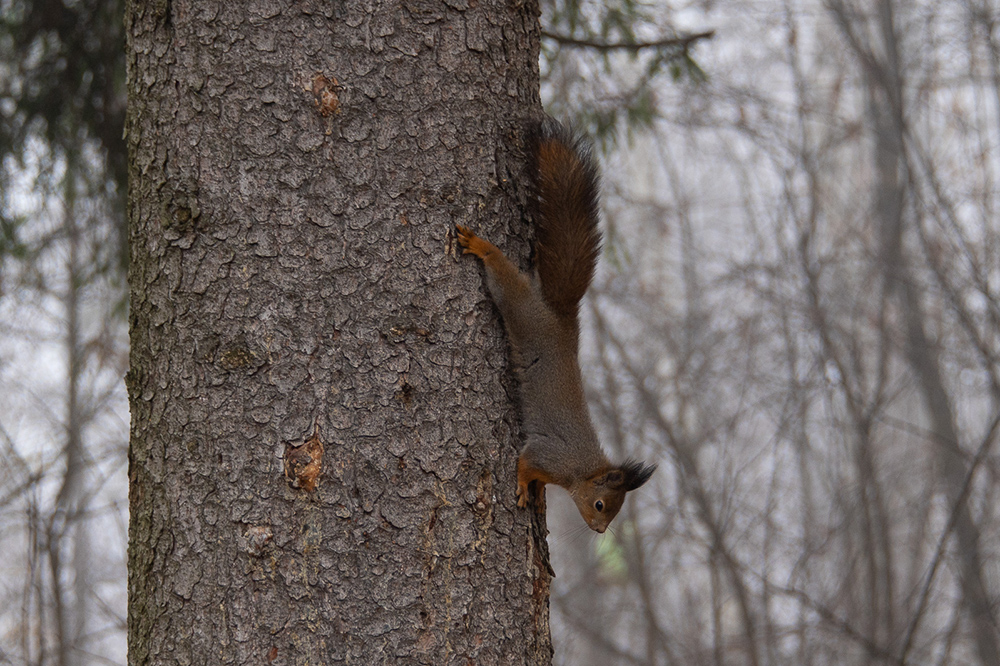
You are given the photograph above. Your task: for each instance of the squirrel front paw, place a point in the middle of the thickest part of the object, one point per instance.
(522, 495)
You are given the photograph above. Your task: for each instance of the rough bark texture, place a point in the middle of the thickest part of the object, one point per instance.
(323, 444)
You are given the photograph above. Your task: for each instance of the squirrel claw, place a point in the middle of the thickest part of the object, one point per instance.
(465, 236)
(522, 497)
(471, 243)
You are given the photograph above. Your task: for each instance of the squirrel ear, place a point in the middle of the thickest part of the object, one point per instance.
(613, 479)
(635, 473)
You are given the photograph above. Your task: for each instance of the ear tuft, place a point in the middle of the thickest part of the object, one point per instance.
(636, 473)
(613, 479)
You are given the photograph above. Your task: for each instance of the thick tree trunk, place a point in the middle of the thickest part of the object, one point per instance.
(322, 445)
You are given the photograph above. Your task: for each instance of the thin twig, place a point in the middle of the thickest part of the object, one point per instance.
(925, 590)
(683, 42)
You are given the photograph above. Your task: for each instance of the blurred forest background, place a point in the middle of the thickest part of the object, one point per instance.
(797, 315)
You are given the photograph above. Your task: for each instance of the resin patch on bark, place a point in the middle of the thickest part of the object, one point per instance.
(304, 462)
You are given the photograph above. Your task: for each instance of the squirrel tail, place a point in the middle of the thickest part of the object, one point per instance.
(568, 240)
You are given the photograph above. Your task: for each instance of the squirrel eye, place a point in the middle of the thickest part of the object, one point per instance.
(599, 505)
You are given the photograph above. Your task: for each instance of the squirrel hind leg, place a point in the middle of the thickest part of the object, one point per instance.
(473, 244)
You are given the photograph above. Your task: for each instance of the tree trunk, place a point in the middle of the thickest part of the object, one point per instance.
(322, 446)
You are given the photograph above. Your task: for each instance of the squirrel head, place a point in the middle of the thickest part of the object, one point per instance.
(600, 497)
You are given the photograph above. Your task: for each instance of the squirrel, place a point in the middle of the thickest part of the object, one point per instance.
(541, 316)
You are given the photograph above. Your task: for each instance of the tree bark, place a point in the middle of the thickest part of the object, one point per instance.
(322, 444)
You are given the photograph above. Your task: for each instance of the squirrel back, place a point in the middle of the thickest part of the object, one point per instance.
(568, 240)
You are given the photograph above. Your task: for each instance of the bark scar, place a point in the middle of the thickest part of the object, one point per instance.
(325, 93)
(304, 461)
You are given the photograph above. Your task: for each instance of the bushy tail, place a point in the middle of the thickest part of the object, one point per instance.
(568, 240)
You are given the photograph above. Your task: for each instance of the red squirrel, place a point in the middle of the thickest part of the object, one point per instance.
(541, 315)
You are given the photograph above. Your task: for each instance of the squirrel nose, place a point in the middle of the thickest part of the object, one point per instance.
(597, 527)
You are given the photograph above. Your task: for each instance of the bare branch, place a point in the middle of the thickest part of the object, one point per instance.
(683, 42)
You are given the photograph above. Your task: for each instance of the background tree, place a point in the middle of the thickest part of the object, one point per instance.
(63, 347)
(810, 342)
